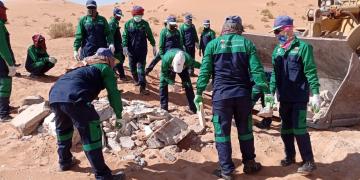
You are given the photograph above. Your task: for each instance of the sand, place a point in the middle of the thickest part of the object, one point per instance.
(337, 151)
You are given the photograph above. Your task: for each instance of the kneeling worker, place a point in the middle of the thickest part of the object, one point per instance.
(70, 99)
(38, 61)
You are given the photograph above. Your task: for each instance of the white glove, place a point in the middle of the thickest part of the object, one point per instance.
(76, 55)
(52, 60)
(112, 48)
(315, 103)
(12, 71)
(197, 45)
(154, 50)
(125, 51)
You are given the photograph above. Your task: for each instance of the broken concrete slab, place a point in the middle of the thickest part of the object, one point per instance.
(103, 108)
(197, 128)
(30, 100)
(29, 120)
(115, 146)
(170, 133)
(127, 142)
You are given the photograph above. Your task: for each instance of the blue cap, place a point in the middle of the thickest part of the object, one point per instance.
(171, 20)
(91, 3)
(233, 19)
(207, 21)
(104, 52)
(188, 17)
(117, 12)
(2, 5)
(282, 21)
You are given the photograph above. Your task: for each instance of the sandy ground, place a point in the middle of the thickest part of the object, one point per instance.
(337, 151)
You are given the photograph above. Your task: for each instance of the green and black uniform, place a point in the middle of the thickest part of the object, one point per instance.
(206, 36)
(92, 34)
(167, 77)
(6, 60)
(231, 60)
(70, 99)
(37, 61)
(294, 77)
(189, 37)
(115, 32)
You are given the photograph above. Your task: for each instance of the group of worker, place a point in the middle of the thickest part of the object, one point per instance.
(231, 60)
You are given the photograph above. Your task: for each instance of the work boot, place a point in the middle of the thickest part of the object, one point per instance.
(264, 124)
(287, 161)
(119, 176)
(143, 91)
(251, 166)
(68, 166)
(307, 168)
(6, 118)
(219, 174)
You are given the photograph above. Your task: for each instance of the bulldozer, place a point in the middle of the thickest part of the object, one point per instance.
(333, 29)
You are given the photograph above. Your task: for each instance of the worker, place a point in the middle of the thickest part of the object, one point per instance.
(231, 60)
(176, 61)
(70, 99)
(7, 67)
(38, 61)
(206, 36)
(294, 78)
(92, 33)
(190, 38)
(169, 39)
(115, 32)
(136, 31)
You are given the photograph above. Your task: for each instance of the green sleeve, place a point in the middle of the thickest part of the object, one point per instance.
(256, 68)
(190, 62)
(205, 69)
(213, 34)
(5, 52)
(162, 42)
(114, 95)
(310, 68)
(79, 34)
(112, 28)
(109, 36)
(273, 74)
(37, 62)
(182, 36)
(196, 35)
(125, 35)
(165, 65)
(150, 35)
(181, 41)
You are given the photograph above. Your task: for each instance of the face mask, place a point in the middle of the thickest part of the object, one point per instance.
(282, 39)
(188, 21)
(137, 18)
(92, 12)
(172, 27)
(206, 26)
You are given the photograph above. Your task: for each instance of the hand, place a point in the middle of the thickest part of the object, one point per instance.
(269, 101)
(154, 50)
(200, 53)
(125, 51)
(315, 103)
(197, 45)
(12, 71)
(112, 48)
(76, 55)
(120, 125)
(197, 100)
(52, 60)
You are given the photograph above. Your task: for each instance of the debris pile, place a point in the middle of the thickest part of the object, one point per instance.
(325, 99)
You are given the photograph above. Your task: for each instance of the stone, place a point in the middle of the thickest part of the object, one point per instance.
(103, 108)
(111, 134)
(26, 138)
(106, 150)
(29, 120)
(197, 129)
(130, 157)
(139, 143)
(30, 100)
(125, 102)
(22, 108)
(106, 129)
(207, 138)
(134, 125)
(126, 142)
(148, 131)
(170, 133)
(172, 149)
(115, 146)
(168, 156)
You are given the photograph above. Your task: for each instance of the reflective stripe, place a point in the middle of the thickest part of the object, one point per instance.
(65, 137)
(246, 137)
(300, 131)
(302, 119)
(287, 131)
(217, 125)
(93, 146)
(222, 139)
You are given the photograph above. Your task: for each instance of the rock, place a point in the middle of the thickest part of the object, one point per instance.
(106, 150)
(30, 100)
(106, 129)
(111, 134)
(169, 157)
(115, 146)
(134, 125)
(197, 128)
(207, 138)
(157, 124)
(152, 156)
(125, 102)
(126, 142)
(29, 120)
(22, 108)
(130, 157)
(103, 108)
(169, 134)
(26, 138)
(148, 131)
(171, 149)
(139, 143)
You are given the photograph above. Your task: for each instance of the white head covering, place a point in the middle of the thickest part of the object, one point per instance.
(178, 62)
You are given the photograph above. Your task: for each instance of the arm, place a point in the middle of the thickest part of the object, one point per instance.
(79, 35)
(108, 34)
(112, 28)
(150, 35)
(256, 69)
(114, 95)
(161, 42)
(196, 35)
(213, 34)
(201, 42)
(165, 65)
(273, 76)
(182, 36)
(36, 61)
(310, 69)
(5, 52)
(125, 35)
(206, 70)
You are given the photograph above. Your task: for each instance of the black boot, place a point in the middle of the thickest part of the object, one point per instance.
(251, 166)
(287, 161)
(68, 166)
(119, 176)
(219, 174)
(307, 168)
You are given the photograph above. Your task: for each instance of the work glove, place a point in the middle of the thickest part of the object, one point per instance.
(76, 55)
(154, 50)
(112, 48)
(175, 88)
(52, 60)
(315, 103)
(125, 51)
(197, 100)
(120, 125)
(197, 45)
(12, 71)
(267, 111)
(269, 100)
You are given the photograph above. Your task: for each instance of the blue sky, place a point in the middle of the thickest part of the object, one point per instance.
(100, 2)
